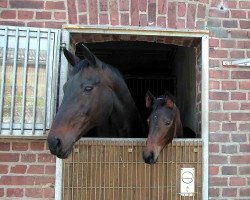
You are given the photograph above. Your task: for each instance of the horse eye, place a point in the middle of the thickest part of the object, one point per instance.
(88, 88)
(167, 123)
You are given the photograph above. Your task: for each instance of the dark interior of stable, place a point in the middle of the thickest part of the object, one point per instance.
(156, 67)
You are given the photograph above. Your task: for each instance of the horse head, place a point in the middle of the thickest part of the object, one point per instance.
(164, 124)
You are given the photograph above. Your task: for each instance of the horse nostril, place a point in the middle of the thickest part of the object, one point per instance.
(55, 144)
(149, 159)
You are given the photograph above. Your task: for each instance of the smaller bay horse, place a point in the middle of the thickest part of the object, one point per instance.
(164, 124)
(96, 103)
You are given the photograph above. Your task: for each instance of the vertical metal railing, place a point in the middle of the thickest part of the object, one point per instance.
(29, 58)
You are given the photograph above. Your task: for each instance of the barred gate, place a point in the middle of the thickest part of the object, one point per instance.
(29, 60)
(113, 169)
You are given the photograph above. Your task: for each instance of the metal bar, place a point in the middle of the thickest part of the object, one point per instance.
(36, 81)
(205, 111)
(25, 66)
(13, 91)
(3, 75)
(46, 84)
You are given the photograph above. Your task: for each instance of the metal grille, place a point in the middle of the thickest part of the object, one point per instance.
(113, 169)
(28, 79)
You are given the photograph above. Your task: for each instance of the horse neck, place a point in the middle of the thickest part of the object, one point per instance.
(178, 124)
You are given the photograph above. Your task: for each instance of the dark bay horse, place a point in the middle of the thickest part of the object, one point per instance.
(164, 124)
(96, 102)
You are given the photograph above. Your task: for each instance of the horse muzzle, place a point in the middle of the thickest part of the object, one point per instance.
(56, 147)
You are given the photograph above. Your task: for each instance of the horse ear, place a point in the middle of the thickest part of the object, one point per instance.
(149, 99)
(89, 56)
(169, 103)
(72, 59)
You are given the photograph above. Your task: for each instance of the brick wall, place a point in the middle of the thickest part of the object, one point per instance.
(229, 25)
(27, 170)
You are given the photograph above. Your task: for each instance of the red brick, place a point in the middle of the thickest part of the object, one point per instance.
(33, 192)
(124, 19)
(244, 4)
(113, 11)
(50, 169)
(37, 146)
(27, 4)
(1, 192)
(230, 4)
(214, 126)
(240, 74)
(48, 193)
(46, 158)
(245, 148)
(218, 13)
(230, 106)
(181, 9)
(43, 15)
(134, 13)
(230, 23)
(245, 106)
(228, 43)
(82, 5)
(3, 4)
(218, 181)
(191, 13)
(201, 11)
(237, 54)
(229, 192)
(20, 146)
(219, 96)
(228, 170)
(229, 127)
(217, 159)
(214, 148)
(15, 192)
(239, 137)
(162, 7)
(17, 180)
(171, 18)
(244, 127)
(12, 23)
(53, 24)
(228, 85)
(59, 15)
(238, 96)
(215, 53)
(9, 157)
(214, 85)
(243, 44)
(143, 4)
(213, 42)
(8, 14)
(200, 24)
(213, 63)
(240, 116)
(214, 106)
(219, 74)
(28, 157)
(237, 181)
(36, 24)
(214, 192)
(4, 169)
(25, 14)
(18, 169)
(84, 20)
(242, 159)
(35, 169)
(161, 21)
(241, 34)
(4, 146)
(245, 192)
(245, 24)
(214, 22)
(218, 116)
(238, 14)
(229, 149)
(213, 170)
(244, 85)
(244, 170)
(218, 137)
(55, 5)
(103, 5)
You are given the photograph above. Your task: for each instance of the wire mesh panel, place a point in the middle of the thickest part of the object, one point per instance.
(114, 169)
(28, 79)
